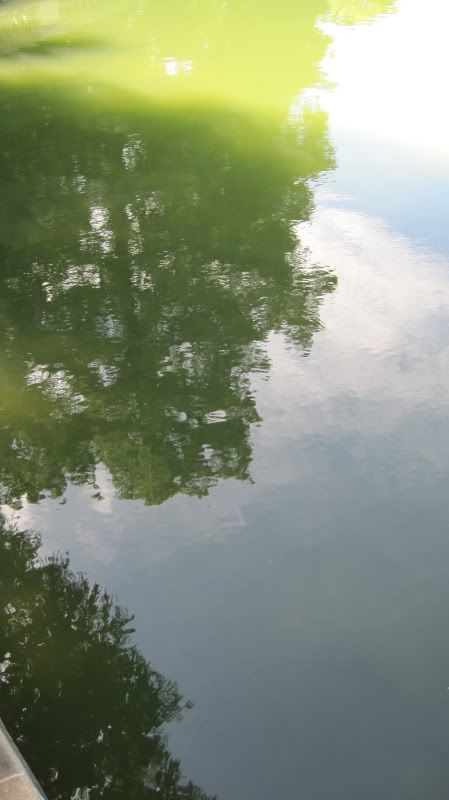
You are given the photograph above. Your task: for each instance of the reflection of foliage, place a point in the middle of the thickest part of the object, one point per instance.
(350, 12)
(148, 247)
(259, 54)
(82, 703)
(145, 259)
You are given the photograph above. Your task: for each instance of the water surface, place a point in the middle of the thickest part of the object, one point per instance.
(224, 314)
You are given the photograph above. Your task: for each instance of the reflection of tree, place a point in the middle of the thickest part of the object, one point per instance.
(148, 250)
(258, 53)
(350, 12)
(133, 301)
(80, 700)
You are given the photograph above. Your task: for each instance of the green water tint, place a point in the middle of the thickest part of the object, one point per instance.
(247, 53)
(147, 243)
(86, 709)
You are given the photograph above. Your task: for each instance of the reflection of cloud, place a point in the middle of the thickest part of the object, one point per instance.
(389, 94)
(385, 327)
(374, 388)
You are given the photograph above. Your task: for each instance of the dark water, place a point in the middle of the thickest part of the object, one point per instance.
(224, 308)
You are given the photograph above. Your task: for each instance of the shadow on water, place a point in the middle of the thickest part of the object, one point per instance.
(84, 706)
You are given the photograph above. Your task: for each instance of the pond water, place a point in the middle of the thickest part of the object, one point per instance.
(224, 311)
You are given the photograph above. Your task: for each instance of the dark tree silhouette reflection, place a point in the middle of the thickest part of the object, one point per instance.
(83, 704)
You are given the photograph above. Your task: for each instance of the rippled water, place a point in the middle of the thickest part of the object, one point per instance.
(224, 307)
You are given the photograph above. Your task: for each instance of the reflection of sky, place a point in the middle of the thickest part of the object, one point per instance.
(396, 185)
(390, 119)
(391, 78)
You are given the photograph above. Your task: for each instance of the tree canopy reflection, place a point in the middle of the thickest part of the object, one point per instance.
(85, 707)
(144, 262)
(147, 250)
